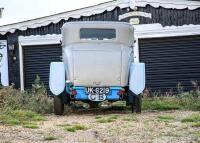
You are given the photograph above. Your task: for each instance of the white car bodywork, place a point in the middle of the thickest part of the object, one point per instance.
(98, 63)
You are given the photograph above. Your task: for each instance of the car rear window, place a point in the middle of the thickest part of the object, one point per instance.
(97, 34)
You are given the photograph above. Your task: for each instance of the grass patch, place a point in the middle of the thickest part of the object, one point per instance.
(64, 125)
(20, 117)
(70, 129)
(192, 118)
(128, 119)
(165, 118)
(171, 134)
(110, 119)
(98, 117)
(160, 104)
(196, 124)
(185, 101)
(105, 120)
(114, 117)
(74, 128)
(197, 134)
(12, 122)
(49, 138)
(30, 126)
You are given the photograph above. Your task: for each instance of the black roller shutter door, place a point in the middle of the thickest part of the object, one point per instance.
(37, 62)
(170, 61)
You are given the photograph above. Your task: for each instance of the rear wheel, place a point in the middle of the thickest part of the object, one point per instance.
(138, 104)
(135, 101)
(58, 105)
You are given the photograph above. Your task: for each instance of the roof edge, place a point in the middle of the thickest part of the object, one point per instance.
(97, 9)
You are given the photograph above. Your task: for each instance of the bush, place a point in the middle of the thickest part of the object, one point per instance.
(36, 99)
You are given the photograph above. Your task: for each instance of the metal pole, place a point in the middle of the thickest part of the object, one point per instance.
(1, 11)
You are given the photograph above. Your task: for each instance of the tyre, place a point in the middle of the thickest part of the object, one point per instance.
(138, 104)
(135, 101)
(58, 105)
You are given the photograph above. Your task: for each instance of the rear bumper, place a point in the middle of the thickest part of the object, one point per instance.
(82, 96)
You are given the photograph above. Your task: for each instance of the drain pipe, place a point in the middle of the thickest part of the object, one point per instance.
(1, 11)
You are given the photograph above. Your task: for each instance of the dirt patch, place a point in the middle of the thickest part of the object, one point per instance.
(109, 127)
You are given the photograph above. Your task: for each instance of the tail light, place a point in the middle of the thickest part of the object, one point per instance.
(73, 92)
(121, 92)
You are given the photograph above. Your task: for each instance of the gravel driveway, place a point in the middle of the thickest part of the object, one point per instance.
(109, 127)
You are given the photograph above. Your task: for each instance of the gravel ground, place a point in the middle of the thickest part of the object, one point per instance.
(108, 127)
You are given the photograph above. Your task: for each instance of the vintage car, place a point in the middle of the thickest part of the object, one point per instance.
(97, 65)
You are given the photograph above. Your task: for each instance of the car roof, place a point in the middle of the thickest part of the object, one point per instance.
(71, 31)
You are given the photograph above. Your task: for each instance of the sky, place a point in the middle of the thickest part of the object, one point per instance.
(21, 10)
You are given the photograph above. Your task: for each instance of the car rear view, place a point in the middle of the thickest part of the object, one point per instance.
(97, 65)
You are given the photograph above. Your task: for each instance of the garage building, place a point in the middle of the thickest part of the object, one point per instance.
(167, 35)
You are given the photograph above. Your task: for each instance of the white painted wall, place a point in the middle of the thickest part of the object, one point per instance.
(4, 63)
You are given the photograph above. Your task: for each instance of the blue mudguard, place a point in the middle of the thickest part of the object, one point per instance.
(137, 78)
(57, 77)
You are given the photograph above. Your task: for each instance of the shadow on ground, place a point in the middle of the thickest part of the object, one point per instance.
(80, 110)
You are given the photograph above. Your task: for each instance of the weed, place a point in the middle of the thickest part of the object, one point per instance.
(170, 101)
(196, 124)
(193, 118)
(30, 125)
(74, 128)
(79, 127)
(36, 99)
(129, 119)
(20, 117)
(70, 129)
(108, 119)
(165, 118)
(171, 134)
(162, 104)
(114, 117)
(98, 117)
(12, 122)
(105, 120)
(64, 125)
(49, 138)
(197, 134)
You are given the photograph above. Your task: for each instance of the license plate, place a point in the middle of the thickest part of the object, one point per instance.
(97, 93)
(97, 97)
(97, 90)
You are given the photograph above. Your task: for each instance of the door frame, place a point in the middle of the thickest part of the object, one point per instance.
(147, 31)
(33, 41)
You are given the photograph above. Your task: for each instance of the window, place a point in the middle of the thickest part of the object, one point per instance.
(97, 34)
